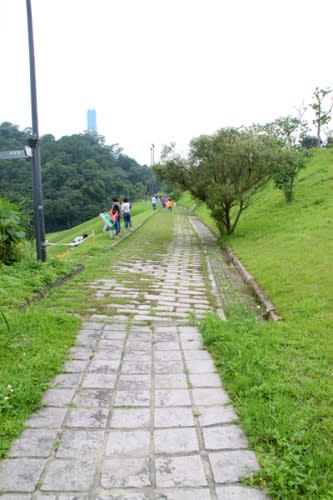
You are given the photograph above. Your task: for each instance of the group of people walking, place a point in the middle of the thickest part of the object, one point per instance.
(165, 202)
(122, 209)
(119, 209)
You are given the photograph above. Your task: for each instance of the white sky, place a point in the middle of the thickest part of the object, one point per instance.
(158, 71)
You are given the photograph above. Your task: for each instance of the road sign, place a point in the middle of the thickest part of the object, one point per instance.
(13, 155)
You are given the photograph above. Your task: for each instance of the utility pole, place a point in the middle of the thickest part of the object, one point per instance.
(34, 144)
(152, 148)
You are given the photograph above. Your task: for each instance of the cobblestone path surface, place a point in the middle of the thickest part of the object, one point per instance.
(139, 411)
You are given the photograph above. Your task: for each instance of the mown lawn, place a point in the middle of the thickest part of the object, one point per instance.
(280, 376)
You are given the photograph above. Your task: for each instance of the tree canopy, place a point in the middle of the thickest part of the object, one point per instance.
(226, 170)
(79, 176)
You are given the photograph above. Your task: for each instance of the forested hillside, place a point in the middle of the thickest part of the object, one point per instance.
(80, 176)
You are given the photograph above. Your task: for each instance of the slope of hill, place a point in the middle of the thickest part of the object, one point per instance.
(280, 375)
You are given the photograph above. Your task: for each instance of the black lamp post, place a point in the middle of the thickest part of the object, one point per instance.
(152, 148)
(34, 144)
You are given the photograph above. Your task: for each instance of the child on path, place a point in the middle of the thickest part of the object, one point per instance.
(169, 204)
(115, 215)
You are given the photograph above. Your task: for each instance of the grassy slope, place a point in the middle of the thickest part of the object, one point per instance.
(280, 376)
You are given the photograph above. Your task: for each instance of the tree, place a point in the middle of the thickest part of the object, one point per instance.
(11, 233)
(322, 117)
(225, 170)
(79, 174)
(289, 130)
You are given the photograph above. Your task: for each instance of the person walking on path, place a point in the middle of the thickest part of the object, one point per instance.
(126, 210)
(115, 215)
(153, 202)
(169, 204)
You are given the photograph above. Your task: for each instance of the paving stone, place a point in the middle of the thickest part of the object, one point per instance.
(111, 366)
(58, 397)
(122, 495)
(75, 366)
(99, 380)
(93, 398)
(133, 442)
(21, 497)
(201, 366)
(37, 443)
(239, 493)
(134, 356)
(116, 346)
(224, 437)
(78, 443)
(132, 398)
(208, 380)
(167, 356)
(51, 418)
(176, 440)
(134, 382)
(166, 346)
(81, 417)
(193, 354)
(192, 345)
(173, 397)
(168, 366)
(69, 475)
(125, 473)
(180, 471)
(231, 466)
(67, 380)
(113, 335)
(174, 417)
(20, 474)
(106, 354)
(183, 494)
(209, 396)
(82, 353)
(130, 418)
(136, 367)
(174, 381)
(212, 415)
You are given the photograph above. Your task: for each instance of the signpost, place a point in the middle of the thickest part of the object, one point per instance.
(15, 154)
(34, 145)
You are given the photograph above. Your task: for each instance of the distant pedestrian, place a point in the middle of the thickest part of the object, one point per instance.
(153, 202)
(169, 204)
(126, 210)
(115, 215)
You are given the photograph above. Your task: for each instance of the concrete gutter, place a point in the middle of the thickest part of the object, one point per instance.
(270, 312)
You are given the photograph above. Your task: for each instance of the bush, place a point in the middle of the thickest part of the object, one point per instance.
(11, 234)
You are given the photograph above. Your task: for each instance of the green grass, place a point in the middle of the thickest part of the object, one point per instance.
(279, 376)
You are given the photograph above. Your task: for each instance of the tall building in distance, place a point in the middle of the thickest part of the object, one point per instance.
(91, 119)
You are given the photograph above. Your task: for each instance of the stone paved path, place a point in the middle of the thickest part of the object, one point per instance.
(139, 412)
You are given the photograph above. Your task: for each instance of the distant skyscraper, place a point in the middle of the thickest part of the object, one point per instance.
(91, 118)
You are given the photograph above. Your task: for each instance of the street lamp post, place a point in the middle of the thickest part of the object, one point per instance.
(34, 144)
(152, 148)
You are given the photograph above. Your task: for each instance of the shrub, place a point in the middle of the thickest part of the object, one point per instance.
(11, 234)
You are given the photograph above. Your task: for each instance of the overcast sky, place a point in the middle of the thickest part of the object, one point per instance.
(158, 71)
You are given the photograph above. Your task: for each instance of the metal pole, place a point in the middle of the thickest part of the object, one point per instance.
(36, 166)
(152, 154)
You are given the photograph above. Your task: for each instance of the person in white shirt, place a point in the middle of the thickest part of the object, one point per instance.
(126, 210)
